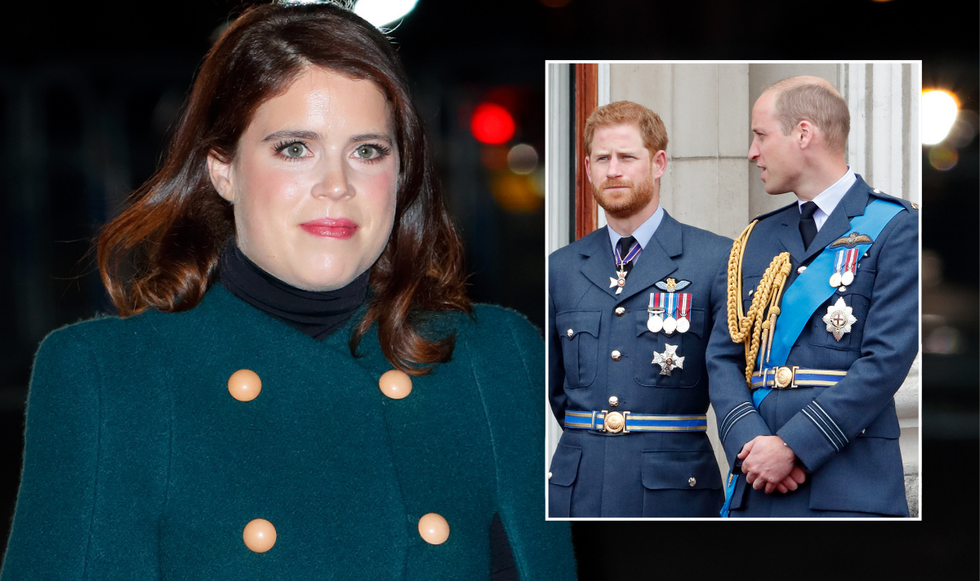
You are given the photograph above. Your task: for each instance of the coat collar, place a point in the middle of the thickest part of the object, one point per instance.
(838, 223)
(654, 264)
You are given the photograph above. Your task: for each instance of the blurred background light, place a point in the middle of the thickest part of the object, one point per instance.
(492, 124)
(522, 159)
(515, 193)
(943, 157)
(939, 110)
(383, 12)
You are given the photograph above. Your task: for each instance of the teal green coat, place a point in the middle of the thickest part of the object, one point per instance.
(140, 465)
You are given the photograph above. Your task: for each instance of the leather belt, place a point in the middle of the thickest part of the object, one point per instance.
(627, 422)
(792, 377)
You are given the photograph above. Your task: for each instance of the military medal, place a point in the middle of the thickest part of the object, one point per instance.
(683, 312)
(845, 265)
(670, 323)
(655, 311)
(668, 360)
(850, 267)
(838, 266)
(620, 279)
(839, 319)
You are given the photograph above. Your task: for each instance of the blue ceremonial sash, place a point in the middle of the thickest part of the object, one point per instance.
(811, 289)
(805, 295)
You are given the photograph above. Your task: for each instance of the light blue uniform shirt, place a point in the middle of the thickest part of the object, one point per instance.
(643, 234)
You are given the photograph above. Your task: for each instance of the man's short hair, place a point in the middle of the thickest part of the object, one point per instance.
(815, 100)
(652, 128)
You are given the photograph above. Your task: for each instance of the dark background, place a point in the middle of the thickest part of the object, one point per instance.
(89, 91)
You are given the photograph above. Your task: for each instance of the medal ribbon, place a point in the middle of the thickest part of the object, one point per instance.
(839, 260)
(684, 308)
(630, 254)
(671, 305)
(852, 259)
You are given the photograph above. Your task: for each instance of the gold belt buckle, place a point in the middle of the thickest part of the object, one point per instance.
(785, 377)
(614, 422)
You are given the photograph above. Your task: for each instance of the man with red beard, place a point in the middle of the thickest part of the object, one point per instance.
(631, 306)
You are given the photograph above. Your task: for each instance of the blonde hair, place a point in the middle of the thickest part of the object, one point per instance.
(815, 100)
(651, 127)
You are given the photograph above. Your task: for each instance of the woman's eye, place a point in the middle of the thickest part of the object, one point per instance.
(366, 152)
(294, 150)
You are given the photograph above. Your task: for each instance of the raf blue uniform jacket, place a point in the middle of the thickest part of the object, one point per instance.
(846, 435)
(638, 474)
(139, 464)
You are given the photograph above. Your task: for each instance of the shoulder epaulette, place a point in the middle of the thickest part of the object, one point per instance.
(883, 196)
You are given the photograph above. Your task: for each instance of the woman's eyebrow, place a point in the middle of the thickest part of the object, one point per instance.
(373, 137)
(292, 134)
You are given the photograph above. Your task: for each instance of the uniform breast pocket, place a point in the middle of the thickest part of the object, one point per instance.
(681, 353)
(579, 335)
(848, 317)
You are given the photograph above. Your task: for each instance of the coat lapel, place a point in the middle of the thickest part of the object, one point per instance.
(600, 266)
(789, 233)
(839, 222)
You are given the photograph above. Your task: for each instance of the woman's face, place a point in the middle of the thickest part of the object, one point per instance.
(313, 182)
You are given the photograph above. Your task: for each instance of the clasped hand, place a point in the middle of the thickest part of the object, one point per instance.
(769, 463)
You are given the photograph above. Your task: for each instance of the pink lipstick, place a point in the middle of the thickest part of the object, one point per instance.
(340, 228)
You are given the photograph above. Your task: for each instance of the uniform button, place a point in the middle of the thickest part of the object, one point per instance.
(395, 384)
(549, 476)
(569, 333)
(259, 535)
(434, 529)
(613, 401)
(692, 481)
(620, 311)
(244, 385)
(616, 355)
(800, 270)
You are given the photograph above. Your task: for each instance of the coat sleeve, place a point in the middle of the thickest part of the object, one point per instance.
(53, 518)
(510, 379)
(93, 480)
(738, 420)
(889, 344)
(556, 366)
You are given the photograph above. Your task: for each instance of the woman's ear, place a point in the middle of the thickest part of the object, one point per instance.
(222, 176)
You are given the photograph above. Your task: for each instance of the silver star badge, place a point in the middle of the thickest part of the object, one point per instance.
(839, 319)
(668, 360)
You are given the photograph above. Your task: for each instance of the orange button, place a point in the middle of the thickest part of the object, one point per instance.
(244, 385)
(434, 529)
(395, 384)
(259, 535)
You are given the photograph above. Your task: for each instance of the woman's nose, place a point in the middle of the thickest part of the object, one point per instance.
(333, 183)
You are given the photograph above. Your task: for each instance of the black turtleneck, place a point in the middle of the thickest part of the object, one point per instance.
(318, 314)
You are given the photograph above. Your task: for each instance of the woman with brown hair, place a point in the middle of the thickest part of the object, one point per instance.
(298, 386)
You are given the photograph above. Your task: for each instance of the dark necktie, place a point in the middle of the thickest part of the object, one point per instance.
(624, 248)
(808, 228)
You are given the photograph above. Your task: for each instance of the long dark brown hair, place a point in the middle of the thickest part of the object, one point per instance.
(173, 232)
